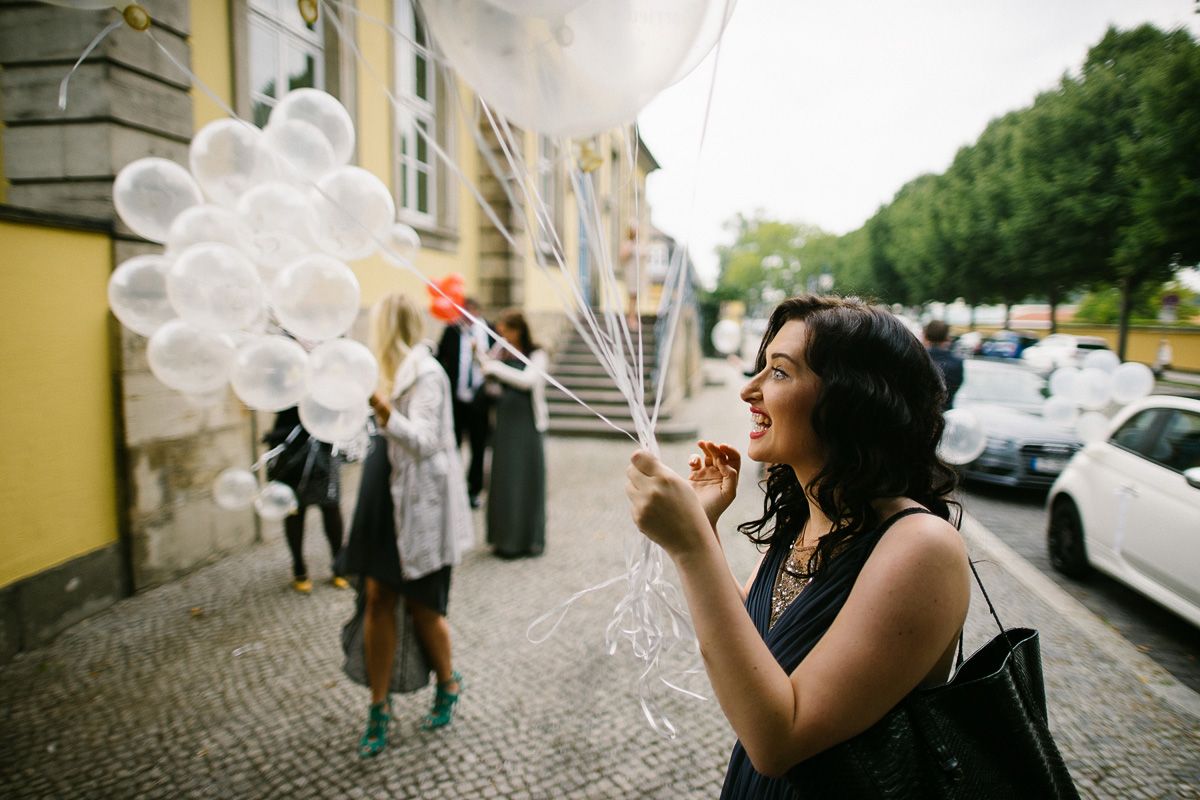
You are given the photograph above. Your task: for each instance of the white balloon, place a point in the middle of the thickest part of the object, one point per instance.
(727, 336)
(276, 501)
(576, 74)
(281, 221)
(227, 157)
(137, 293)
(323, 111)
(150, 193)
(712, 27)
(235, 488)
(1094, 390)
(1064, 382)
(303, 152)
(215, 287)
(205, 400)
(316, 298)
(342, 373)
(188, 359)
(268, 373)
(1105, 360)
(1131, 381)
(330, 424)
(963, 439)
(537, 8)
(354, 210)
(1060, 410)
(403, 244)
(1092, 426)
(206, 224)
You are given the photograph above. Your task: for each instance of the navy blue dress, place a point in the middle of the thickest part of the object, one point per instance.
(797, 631)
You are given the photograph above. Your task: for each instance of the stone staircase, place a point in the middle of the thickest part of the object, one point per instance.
(576, 367)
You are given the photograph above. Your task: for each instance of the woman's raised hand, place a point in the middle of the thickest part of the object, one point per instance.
(664, 506)
(714, 477)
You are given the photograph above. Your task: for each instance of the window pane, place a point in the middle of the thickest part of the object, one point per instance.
(420, 79)
(1181, 441)
(261, 112)
(423, 191)
(421, 143)
(1132, 435)
(404, 202)
(264, 56)
(301, 70)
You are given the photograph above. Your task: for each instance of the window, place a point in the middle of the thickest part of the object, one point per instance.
(1134, 434)
(284, 53)
(550, 191)
(421, 196)
(1180, 445)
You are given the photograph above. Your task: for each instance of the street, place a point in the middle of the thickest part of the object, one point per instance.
(1018, 517)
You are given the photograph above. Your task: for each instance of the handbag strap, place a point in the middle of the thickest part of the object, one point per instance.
(991, 609)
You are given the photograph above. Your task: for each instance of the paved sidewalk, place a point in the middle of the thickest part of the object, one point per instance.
(246, 698)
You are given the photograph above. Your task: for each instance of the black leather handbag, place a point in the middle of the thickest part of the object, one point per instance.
(981, 735)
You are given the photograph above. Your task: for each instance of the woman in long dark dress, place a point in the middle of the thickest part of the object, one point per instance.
(516, 503)
(862, 593)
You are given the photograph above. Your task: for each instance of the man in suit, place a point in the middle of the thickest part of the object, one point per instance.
(455, 349)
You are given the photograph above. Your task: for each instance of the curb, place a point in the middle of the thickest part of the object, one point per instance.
(1162, 683)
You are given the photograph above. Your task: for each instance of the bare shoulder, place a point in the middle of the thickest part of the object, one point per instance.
(926, 538)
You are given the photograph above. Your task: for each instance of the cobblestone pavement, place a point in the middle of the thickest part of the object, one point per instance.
(245, 697)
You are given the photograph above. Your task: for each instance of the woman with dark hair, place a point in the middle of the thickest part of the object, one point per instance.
(516, 505)
(862, 592)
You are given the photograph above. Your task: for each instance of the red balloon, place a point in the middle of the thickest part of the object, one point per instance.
(443, 309)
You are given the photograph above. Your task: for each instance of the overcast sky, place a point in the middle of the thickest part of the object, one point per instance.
(823, 109)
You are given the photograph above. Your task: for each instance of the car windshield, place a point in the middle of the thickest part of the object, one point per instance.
(995, 383)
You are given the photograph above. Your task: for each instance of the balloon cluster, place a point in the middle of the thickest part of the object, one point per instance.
(1080, 395)
(259, 229)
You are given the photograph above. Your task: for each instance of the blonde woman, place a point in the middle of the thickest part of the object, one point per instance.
(413, 522)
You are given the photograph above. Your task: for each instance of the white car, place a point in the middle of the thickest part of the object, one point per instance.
(1129, 506)
(1061, 350)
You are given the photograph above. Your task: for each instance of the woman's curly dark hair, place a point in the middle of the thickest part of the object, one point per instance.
(878, 413)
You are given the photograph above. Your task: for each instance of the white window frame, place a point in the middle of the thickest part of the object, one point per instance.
(551, 189)
(265, 16)
(413, 111)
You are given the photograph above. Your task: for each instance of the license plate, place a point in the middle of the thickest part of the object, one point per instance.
(1048, 466)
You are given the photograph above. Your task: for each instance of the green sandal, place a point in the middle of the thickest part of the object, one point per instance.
(443, 704)
(375, 739)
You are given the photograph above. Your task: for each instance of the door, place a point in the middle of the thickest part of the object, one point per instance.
(1108, 512)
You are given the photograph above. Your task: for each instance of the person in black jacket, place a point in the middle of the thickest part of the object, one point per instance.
(937, 341)
(310, 469)
(471, 403)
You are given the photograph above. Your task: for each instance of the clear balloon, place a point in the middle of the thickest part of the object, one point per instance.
(1064, 382)
(727, 336)
(206, 224)
(227, 157)
(1131, 381)
(276, 501)
(403, 244)
(188, 359)
(581, 72)
(281, 221)
(1059, 410)
(268, 373)
(1105, 360)
(150, 193)
(963, 439)
(1094, 390)
(342, 373)
(354, 210)
(303, 152)
(332, 425)
(235, 488)
(316, 298)
(538, 8)
(323, 111)
(1092, 426)
(215, 287)
(712, 27)
(137, 293)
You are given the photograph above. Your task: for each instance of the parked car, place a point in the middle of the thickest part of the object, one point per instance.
(1061, 350)
(1007, 344)
(1129, 506)
(968, 344)
(1023, 449)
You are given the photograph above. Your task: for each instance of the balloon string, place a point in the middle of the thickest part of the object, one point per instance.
(87, 51)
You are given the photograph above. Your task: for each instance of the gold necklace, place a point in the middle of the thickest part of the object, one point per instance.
(790, 581)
